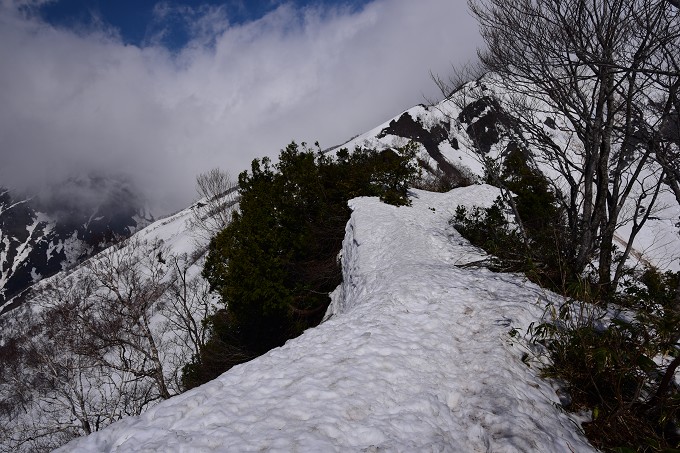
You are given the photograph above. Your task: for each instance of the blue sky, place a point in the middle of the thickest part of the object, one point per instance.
(139, 21)
(161, 91)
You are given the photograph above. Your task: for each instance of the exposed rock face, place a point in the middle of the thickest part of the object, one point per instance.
(53, 231)
(455, 135)
(485, 122)
(405, 126)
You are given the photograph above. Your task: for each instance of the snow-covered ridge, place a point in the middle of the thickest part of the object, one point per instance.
(415, 357)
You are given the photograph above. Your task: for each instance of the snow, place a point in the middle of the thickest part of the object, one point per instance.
(416, 356)
(22, 250)
(175, 232)
(109, 394)
(657, 244)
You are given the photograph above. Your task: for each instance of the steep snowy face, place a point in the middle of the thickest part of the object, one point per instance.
(53, 231)
(415, 356)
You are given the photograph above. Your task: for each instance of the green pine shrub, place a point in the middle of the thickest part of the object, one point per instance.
(543, 251)
(654, 297)
(276, 262)
(490, 230)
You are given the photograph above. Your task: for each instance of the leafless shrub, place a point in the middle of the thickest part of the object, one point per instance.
(212, 213)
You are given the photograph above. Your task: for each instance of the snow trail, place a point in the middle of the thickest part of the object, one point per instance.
(415, 356)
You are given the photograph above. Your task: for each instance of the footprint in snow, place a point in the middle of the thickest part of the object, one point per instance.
(503, 322)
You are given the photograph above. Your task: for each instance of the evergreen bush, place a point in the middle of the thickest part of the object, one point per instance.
(276, 262)
(543, 253)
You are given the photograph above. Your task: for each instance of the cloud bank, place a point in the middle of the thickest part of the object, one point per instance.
(77, 102)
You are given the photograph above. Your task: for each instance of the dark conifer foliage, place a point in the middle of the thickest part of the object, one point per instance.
(277, 261)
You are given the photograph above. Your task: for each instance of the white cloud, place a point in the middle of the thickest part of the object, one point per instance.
(203, 23)
(74, 103)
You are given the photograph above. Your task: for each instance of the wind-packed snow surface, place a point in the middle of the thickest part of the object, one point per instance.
(415, 356)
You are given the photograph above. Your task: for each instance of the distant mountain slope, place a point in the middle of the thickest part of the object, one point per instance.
(159, 267)
(52, 231)
(457, 135)
(416, 357)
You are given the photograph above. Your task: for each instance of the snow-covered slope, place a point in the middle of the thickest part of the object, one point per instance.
(416, 356)
(52, 391)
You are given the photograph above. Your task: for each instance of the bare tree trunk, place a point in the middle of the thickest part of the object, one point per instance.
(590, 62)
